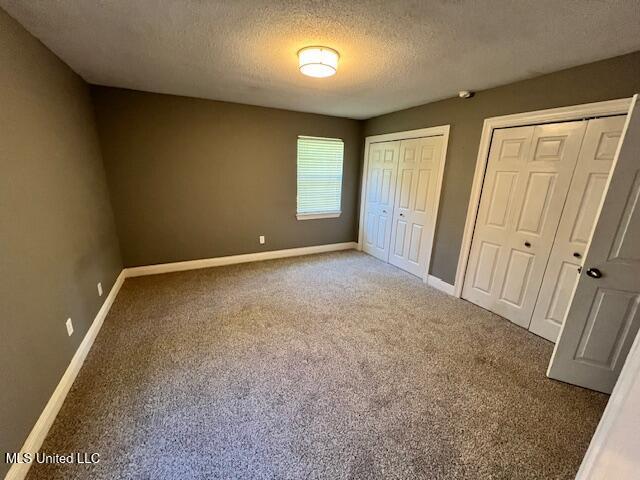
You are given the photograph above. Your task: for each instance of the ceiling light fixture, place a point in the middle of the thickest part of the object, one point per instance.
(318, 62)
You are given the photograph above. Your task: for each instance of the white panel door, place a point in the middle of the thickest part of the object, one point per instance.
(528, 175)
(604, 316)
(381, 185)
(414, 214)
(576, 225)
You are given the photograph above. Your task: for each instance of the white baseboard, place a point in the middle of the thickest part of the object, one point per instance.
(233, 259)
(18, 471)
(441, 285)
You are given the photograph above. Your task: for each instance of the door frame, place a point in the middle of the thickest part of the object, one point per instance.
(441, 130)
(537, 117)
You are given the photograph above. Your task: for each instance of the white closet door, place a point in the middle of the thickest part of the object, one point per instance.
(381, 185)
(604, 316)
(526, 184)
(414, 214)
(576, 225)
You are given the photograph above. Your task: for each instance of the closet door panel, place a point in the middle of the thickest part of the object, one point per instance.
(414, 213)
(539, 195)
(405, 187)
(486, 267)
(562, 291)
(586, 215)
(415, 243)
(516, 278)
(501, 199)
(423, 190)
(576, 225)
(528, 176)
(380, 196)
(496, 214)
(399, 237)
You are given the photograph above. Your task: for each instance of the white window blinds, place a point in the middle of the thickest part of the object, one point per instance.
(319, 177)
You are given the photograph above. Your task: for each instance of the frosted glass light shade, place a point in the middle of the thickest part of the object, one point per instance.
(318, 61)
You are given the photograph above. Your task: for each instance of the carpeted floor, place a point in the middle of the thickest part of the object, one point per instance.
(327, 366)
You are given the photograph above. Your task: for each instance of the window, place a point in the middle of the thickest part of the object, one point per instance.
(319, 177)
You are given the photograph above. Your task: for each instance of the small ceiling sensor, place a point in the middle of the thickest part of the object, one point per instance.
(465, 94)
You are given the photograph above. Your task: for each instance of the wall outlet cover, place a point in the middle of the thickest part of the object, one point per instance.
(69, 325)
(262, 240)
(100, 288)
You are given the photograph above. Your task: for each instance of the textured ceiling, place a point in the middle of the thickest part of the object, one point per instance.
(394, 54)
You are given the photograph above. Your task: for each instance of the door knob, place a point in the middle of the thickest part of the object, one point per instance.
(527, 244)
(577, 255)
(384, 211)
(594, 273)
(402, 214)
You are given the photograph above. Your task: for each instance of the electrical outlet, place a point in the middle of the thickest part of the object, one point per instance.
(69, 325)
(262, 240)
(100, 288)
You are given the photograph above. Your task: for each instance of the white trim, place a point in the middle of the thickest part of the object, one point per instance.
(409, 134)
(445, 145)
(439, 284)
(18, 471)
(233, 259)
(315, 216)
(442, 130)
(332, 139)
(577, 112)
(619, 423)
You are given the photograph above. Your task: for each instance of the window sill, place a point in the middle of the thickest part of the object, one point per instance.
(315, 216)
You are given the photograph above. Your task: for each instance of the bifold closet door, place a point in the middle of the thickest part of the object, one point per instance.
(576, 225)
(528, 175)
(414, 213)
(380, 195)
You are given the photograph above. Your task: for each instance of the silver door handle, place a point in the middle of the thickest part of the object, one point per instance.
(594, 273)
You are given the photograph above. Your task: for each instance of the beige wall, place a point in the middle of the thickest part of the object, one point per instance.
(57, 236)
(609, 79)
(193, 178)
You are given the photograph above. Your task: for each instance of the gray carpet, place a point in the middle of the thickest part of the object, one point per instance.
(328, 366)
